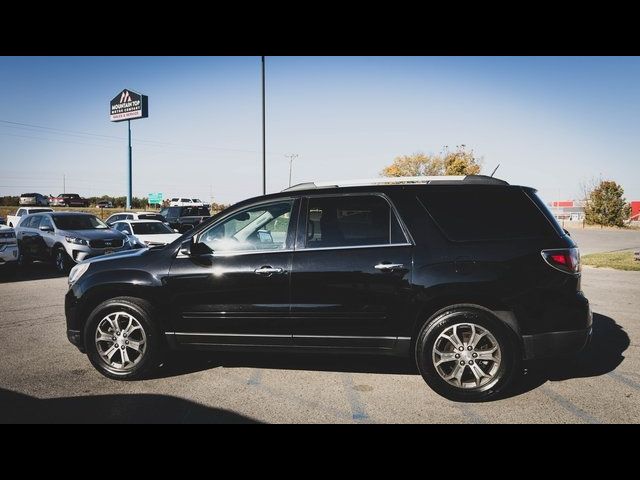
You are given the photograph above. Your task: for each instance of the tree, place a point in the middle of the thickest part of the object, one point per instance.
(458, 162)
(605, 205)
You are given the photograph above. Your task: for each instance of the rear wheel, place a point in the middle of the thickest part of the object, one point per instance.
(466, 354)
(122, 342)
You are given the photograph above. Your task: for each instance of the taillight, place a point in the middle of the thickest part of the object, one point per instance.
(564, 259)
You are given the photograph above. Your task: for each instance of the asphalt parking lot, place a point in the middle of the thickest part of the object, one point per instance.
(44, 378)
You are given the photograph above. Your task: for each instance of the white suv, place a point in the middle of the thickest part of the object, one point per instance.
(182, 202)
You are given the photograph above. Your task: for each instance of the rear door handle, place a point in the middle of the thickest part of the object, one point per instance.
(268, 270)
(386, 267)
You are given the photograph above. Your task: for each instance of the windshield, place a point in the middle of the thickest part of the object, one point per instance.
(78, 222)
(150, 228)
(36, 210)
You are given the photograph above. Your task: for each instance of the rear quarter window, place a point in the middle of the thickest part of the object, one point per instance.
(477, 213)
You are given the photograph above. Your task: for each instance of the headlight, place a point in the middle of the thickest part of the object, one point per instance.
(77, 241)
(77, 271)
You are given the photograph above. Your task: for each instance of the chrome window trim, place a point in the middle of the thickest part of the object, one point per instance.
(403, 227)
(349, 247)
(238, 253)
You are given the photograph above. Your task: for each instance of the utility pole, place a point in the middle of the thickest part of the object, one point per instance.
(291, 157)
(64, 183)
(264, 140)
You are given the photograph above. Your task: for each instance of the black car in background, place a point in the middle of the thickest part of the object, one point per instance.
(184, 219)
(468, 276)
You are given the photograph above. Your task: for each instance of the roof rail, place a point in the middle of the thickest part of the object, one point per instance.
(478, 179)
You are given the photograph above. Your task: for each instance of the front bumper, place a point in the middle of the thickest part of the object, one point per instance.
(82, 252)
(8, 254)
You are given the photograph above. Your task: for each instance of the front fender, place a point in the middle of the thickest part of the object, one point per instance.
(94, 288)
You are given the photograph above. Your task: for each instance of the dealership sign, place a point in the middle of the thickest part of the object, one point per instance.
(128, 105)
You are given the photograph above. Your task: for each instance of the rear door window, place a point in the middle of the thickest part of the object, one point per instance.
(351, 221)
(476, 213)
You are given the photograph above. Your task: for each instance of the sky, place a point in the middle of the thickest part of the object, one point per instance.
(552, 123)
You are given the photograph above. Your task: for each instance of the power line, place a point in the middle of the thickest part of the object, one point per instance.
(59, 131)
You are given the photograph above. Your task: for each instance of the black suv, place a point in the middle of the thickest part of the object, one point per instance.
(184, 219)
(467, 275)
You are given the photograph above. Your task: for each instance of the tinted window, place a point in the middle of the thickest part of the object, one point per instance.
(150, 228)
(34, 222)
(185, 200)
(151, 216)
(474, 213)
(172, 212)
(20, 212)
(195, 212)
(351, 221)
(78, 222)
(46, 221)
(258, 228)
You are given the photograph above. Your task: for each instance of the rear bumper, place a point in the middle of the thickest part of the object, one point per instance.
(554, 344)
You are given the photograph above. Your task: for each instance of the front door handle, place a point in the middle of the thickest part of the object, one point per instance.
(387, 267)
(268, 270)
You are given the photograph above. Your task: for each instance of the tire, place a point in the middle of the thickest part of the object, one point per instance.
(23, 259)
(146, 334)
(469, 381)
(62, 261)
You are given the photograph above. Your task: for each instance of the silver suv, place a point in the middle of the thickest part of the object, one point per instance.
(66, 238)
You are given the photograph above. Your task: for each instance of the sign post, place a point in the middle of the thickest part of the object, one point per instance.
(129, 105)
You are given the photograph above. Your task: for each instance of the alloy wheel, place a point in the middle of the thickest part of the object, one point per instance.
(466, 355)
(120, 341)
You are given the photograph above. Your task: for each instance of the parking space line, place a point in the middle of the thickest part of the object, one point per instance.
(256, 377)
(470, 414)
(301, 401)
(357, 409)
(622, 379)
(568, 405)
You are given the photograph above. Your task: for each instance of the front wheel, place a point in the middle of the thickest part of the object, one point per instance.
(466, 354)
(62, 261)
(121, 340)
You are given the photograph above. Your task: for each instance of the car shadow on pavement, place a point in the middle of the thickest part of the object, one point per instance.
(181, 363)
(125, 408)
(33, 271)
(603, 355)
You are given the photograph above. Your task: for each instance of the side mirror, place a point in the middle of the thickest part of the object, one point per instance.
(126, 232)
(192, 248)
(176, 230)
(46, 228)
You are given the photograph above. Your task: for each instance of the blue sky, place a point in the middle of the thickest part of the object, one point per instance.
(550, 122)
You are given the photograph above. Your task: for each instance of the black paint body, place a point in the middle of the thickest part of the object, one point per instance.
(334, 299)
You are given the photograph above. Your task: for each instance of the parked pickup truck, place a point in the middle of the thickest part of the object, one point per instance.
(13, 220)
(68, 200)
(185, 218)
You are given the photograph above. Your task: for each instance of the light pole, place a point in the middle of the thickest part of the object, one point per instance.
(291, 157)
(264, 141)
